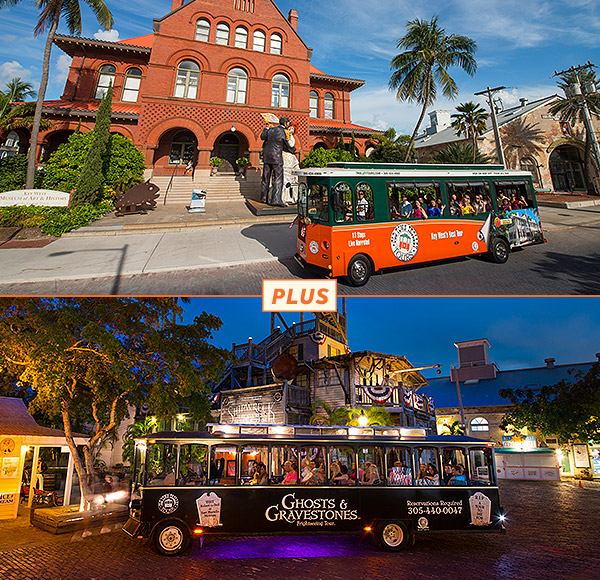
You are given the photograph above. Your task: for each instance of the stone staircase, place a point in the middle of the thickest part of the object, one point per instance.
(220, 188)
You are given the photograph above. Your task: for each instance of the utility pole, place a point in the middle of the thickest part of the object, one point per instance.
(490, 94)
(581, 92)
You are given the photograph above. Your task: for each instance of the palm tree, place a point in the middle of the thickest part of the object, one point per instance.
(570, 107)
(327, 414)
(16, 90)
(459, 153)
(376, 416)
(51, 11)
(456, 428)
(470, 122)
(429, 53)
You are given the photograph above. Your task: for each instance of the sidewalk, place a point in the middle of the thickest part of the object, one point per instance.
(172, 240)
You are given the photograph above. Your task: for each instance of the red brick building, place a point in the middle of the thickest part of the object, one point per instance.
(197, 85)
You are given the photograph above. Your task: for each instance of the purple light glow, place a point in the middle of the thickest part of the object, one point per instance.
(284, 547)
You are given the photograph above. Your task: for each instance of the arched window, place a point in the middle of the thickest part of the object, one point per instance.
(241, 37)
(237, 85)
(314, 104)
(260, 39)
(183, 148)
(12, 140)
(188, 76)
(131, 86)
(480, 424)
(222, 36)
(276, 43)
(202, 30)
(280, 93)
(105, 79)
(328, 106)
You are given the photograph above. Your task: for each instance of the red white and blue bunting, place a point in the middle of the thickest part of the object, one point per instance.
(378, 393)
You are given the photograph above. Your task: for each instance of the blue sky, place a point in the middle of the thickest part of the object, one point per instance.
(520, 44)
(522, 331)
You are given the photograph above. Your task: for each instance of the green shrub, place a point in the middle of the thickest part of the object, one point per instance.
(53, 221)
(321, 157)
(122, 161)
(13, 173)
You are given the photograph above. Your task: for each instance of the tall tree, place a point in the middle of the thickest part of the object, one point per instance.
(428, 54)
(89, 187)
(51, 11)
(470, 122)
(570, 107)
(568, 409)
(87, 359)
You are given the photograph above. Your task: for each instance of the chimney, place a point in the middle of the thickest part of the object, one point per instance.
(598, 356)
(177, 4)
(293, 19)
(549, 363)
(523, 102)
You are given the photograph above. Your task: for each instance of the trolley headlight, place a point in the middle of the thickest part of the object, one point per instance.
(325, 244)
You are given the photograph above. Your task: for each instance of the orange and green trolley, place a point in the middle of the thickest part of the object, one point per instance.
(355, 219)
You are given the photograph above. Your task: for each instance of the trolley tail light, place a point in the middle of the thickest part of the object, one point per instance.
(198, 531)
(368, 529)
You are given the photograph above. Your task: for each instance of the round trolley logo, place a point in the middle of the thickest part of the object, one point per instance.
(168, 503)
(423, 524)
(405, 242)
(314, 247)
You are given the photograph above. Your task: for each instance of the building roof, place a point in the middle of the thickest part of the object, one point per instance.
(485, 392)
(69, 44)
(315, 73)
(89, 109)
(334, 126)
(16, 420)
(449, 135)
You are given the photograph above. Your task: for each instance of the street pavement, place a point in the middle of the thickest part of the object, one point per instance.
(551, 534)
(204, 260)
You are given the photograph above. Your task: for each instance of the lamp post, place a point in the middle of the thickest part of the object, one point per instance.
(363, 421)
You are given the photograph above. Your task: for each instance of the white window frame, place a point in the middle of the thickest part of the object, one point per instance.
(276, 44)
(328, 106)
(105, 79)
(241, 37)
(237, 86)
(131, 85)
(313, 103)
(480, 424)
(279, 96)
(220, 37)
(202, 30)
(259, 41)
(188, 80)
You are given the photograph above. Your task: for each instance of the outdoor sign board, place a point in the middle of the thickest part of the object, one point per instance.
(38, 197)
(10, 475)
(254, 406)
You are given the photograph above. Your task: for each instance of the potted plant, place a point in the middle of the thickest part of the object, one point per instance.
(242, 164)
(215, 163)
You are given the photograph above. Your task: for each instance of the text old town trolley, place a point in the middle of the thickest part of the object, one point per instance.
(392, 482)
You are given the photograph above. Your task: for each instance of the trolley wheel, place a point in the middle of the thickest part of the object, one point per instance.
(499, 251)
(393, 536)
(359, 270)
(171, 538)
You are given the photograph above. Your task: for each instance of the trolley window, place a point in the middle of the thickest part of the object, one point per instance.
(370, 461)
(411, 200)
(399, 466)
(340, 461)
(192, 465)
(342, 203)
(161, 463)
(318, 203)
(481, 466)
(313, 465)
(365, 209)
(426, 458)
(222, 469)
(284, 464)
(252, 458)
(454, 462)
(511, 195)
(469, 199)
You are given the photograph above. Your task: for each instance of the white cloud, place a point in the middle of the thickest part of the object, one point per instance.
(60, 71)
(111, 35)
(10, 70)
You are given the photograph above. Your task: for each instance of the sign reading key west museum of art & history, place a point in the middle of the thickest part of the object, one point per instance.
(39, 197)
